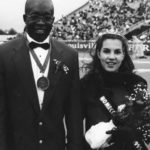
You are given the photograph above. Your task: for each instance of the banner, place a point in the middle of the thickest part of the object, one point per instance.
(83, 46)
(137, 49)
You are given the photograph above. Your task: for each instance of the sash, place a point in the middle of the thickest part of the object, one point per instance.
(107, 105)
(111, 110)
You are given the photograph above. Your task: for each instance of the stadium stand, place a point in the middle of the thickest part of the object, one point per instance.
(97, 16)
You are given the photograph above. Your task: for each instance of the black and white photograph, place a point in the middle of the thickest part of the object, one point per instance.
(75, 75)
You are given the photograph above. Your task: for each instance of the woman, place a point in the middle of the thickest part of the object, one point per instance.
(111, 77)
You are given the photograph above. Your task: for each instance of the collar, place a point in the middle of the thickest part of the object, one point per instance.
(32, 40)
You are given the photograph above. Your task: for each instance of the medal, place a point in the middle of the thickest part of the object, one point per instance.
(43, 83)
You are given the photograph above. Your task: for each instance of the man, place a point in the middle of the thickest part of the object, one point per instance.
(39, 87)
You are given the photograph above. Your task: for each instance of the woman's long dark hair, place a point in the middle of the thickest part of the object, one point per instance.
(127, 65)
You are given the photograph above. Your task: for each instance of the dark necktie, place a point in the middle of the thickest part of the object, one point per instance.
(33, 45)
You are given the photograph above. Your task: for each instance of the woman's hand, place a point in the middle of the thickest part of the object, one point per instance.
(122, 134)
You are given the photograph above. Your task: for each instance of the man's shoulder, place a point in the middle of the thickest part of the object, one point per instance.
(63, 46)
(12, 43)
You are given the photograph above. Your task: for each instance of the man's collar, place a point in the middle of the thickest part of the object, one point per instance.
(32, 40)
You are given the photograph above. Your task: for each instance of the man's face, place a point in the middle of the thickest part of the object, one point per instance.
(39, 20)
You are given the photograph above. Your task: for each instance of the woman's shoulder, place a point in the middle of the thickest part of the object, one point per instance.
(135, 79)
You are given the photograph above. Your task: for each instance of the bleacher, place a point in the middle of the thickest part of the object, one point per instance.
(97, 16)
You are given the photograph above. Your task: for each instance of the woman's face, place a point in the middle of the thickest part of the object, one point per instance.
(111, 55)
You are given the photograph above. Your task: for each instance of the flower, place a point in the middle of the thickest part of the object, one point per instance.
(136, 113)
(121, 107)
(96, 136)
(60, 66)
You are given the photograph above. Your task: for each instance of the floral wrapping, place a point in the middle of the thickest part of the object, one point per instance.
(96, 136)
(136, 114)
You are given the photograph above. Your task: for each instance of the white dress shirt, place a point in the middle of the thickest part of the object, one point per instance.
(41, 54)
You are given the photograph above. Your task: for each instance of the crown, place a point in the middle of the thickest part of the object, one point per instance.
(112, 31)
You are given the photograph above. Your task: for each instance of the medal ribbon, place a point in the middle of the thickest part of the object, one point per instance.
(41, 67)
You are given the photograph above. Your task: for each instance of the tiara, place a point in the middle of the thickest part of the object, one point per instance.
(114, 32)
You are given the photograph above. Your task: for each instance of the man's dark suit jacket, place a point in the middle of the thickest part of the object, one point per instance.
(23, 126)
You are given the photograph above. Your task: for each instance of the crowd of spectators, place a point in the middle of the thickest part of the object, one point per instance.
(99, 16)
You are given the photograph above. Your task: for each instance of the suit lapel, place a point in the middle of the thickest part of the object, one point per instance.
(53, 76)
(24, 69)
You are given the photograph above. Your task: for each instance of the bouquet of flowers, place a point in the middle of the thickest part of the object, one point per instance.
(135, 114)
(130, 123)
